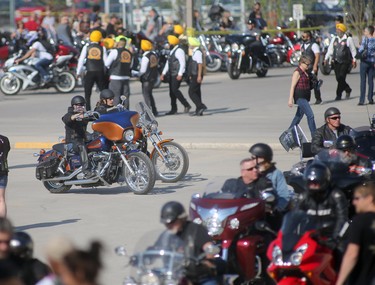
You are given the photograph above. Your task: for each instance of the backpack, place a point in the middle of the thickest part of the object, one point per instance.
(48, 46)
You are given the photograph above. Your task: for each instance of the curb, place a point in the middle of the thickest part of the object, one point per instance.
(229, 146)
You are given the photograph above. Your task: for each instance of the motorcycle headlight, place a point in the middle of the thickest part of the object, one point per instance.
(128, 135)
(214, 226)
(277, 255)
(154, 126)
(234, 224)
(296, 257)
(129, 281)
(235, 47)
(227, 48)
(197, 221)
(149, 279)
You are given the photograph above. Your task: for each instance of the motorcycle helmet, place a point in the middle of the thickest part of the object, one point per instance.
(77, 100)
(345, 142)
(339, 19)
(317, 177)
(173, 40)
(95, 36)
(171, 211)
(106, 94)
(330, 112)
(262, 150)
(21, 245)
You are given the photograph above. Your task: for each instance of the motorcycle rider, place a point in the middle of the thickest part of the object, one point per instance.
(343, 51)
(39, 49)
(326, 204)
(255, 47)
(31, 270)
(355, 161)
(148, 74)
(330, 131)
(176, 67)
(312, 51)
(196, 239)
(92, 58)
(106, 101)
(263, 155)
(75, 131)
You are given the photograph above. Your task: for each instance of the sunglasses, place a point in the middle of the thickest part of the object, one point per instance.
(335, 118)
(250, 169)
(81, 104)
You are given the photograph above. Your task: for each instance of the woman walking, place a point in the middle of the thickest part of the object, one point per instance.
(300, 93)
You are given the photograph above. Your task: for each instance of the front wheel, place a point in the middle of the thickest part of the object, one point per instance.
(262, 71)
(233, 71)
(173, 164)
(65, 82)
(10, 84)
(143, 178)
(56, 187)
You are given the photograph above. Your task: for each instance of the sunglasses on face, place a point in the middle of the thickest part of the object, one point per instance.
(250, 169)
(81, 104)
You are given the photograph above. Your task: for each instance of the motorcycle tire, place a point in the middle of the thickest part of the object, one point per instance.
(262, 72)
(56, 187)
(214, 65)
(177, 162)
(325, 68)
(233, 71)
(143, 179)
(65, 82)
(10, 84)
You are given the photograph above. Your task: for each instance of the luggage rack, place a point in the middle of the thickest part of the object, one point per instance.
(295, 137)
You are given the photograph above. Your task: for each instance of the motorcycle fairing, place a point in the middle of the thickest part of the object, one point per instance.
(246, 251)
(99, 144)
(19, 71)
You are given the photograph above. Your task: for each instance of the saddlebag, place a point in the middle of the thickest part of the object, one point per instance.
(47, 168)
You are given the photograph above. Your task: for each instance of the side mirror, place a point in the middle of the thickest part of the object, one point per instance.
(121, 251)
(268, 197)
(264, 227)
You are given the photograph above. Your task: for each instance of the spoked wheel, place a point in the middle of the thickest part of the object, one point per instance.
(66, 82)
(214, 65)
(143, 179)
(175, 163)
(10, 84)
(56, 187)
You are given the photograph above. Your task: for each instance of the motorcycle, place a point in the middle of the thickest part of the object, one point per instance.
(169, 158)
(111, 155)
(299, 255)
(230, 220)
(24, 76)
(240, 58)
(162, 262)
(214, 58)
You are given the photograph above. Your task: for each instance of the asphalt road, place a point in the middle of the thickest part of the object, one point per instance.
(240, 113)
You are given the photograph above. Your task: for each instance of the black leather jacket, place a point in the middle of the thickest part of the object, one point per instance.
(324, 133)
(331, 210)
(75, 131)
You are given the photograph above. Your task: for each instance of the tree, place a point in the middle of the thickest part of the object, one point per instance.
(359, 15)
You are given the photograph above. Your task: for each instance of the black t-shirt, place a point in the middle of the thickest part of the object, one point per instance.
(194, 236)
(362, 233)
(4, 149)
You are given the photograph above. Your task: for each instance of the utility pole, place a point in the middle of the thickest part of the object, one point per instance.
(189, 13)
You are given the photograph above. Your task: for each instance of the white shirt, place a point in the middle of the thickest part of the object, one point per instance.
(197, 55)
(315, 47)
(41, 51)
(180, 55)
(82, 58)
(349, 43)
(144, 63)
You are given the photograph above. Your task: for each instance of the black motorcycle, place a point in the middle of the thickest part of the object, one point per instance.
(245, 57)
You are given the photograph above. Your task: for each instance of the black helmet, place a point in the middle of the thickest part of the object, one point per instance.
(345, 142)
(252, 22)
(107, 94)
(262, 150)
(172, 211)
(330, 112)
(78, 100)
(339, 18)
(318, 173)
(21, 245)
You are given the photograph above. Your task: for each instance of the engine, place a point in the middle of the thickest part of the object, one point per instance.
(106, 164)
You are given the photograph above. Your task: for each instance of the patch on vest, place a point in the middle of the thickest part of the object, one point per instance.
(125, 57)
(94, 53)
(153, 61)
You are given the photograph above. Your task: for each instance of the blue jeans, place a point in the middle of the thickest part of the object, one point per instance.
(366, 70)
(304, 109)
(42, 66)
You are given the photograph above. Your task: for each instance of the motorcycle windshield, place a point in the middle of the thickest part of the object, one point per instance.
(295, 225)
(146, 116)
(160, 261)
(120, 118)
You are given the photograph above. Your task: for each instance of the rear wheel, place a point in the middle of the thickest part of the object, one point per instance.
(143, 178)
(56, 187)
(175, 163)
(65, 82)
(10, 84)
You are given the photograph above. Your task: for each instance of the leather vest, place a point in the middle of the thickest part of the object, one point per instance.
(151, 73)
(121, 66)
(174, 64)
(308, 52)
(341, 51)
(94, 57)
(193, 65)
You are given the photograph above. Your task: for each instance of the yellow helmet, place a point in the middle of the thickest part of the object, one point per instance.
(178, 29)
(95, 36)
(194, 42)
(146, 45)
(173, 40)
(109, 43)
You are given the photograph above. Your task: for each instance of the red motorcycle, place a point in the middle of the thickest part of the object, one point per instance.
(230, 221)
(299, 255)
